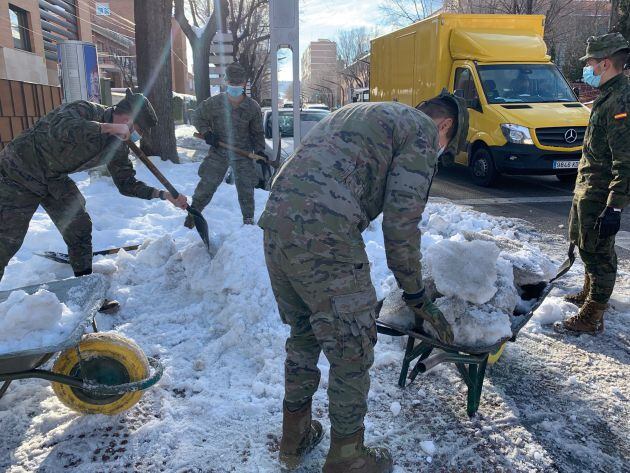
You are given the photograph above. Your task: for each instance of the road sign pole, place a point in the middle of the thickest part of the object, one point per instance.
(285, 33)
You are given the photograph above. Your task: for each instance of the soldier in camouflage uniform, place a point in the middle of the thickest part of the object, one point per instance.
(233, 118)
(361, 161)
(74, 137)
(602, 189)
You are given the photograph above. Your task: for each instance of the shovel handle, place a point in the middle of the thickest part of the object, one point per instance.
(154, 170)
(238, 151)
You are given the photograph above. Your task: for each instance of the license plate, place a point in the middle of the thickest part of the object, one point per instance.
(565, 164)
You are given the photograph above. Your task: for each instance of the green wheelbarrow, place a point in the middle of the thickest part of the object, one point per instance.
(471, 362)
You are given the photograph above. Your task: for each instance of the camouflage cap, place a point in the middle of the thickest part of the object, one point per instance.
(600, 47)
(235, 74)
(139, 107)
(459, 140)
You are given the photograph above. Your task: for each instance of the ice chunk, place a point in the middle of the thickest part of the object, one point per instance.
(553, 309)
(465, 269)
(428, 447)
(507, 296)
(472, 325)
(395, 408)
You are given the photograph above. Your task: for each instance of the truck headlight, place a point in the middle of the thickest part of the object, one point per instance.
(517, 134)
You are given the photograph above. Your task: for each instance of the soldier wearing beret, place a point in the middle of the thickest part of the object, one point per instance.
(602, 189)
(230, 117)
(74, 137)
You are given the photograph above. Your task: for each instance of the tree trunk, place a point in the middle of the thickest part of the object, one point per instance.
(614, 14)
(201, 69)
(153, 55)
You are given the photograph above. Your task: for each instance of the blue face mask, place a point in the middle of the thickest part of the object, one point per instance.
(589, 77)
(234, 90)
(135, 136)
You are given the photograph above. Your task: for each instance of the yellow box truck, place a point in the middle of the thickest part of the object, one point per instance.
(524, 116)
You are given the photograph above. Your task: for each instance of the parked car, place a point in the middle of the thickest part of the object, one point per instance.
(316, 106)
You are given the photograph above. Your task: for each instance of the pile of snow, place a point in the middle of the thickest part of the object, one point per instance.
(475, 289)
(553, 309)
(31, 321)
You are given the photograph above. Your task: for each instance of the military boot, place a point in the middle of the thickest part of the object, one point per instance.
(248, 221)
(429, 312)
(590, 319)
(580, 297)
(300, 435)
(349, 455)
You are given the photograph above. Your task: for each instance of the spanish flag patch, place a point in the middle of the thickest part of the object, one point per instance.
(619, 116)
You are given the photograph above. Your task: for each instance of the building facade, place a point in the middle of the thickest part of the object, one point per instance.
(29, 32)
(114, 36)
(320, 82)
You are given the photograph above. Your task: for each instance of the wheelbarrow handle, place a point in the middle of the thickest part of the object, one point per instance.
(152, 167)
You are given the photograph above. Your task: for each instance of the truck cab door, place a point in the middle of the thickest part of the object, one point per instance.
(464, 85)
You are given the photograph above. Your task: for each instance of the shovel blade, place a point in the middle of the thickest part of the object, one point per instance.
(566, 266)
(201, 225)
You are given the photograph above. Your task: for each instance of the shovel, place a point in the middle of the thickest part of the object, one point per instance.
(242, 152)
(200, 223)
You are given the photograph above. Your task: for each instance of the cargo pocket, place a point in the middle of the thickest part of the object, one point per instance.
(356, 317)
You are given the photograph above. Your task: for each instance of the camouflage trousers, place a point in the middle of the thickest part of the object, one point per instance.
(330, 307)
(598, 255)
(212, 171)
(66, 208)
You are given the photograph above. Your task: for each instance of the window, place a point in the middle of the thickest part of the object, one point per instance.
(19, 28)
(102, 9)
(524, 83)
(465, 85)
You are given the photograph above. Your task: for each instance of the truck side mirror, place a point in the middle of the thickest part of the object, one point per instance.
(576, 91)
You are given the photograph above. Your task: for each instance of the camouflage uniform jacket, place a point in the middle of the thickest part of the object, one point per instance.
(69, 140)
(240, 126)
(362, 160)
(604, 171)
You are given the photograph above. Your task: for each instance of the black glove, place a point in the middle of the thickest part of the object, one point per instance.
(211, 139)
(608, 223)
(189, 222)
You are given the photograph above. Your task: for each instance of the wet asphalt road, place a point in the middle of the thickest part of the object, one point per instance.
(541, 200)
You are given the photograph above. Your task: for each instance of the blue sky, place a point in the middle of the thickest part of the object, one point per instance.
(323, 19)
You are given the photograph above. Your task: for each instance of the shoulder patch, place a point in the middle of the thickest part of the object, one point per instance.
(620, 116)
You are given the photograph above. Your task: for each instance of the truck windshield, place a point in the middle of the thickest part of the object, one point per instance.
(524, 83)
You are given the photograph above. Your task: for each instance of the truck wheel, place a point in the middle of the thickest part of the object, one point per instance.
(106, 358)
(482, 170)
(566, 177)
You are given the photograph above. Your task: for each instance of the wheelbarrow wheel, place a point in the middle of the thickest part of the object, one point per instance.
(494, 357)
(106, 358)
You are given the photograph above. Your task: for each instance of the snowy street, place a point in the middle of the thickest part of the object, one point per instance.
(552, 403)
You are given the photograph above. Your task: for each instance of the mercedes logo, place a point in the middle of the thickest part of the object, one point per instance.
(570, 136)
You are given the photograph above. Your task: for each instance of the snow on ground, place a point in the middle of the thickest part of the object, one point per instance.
(552, 403)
